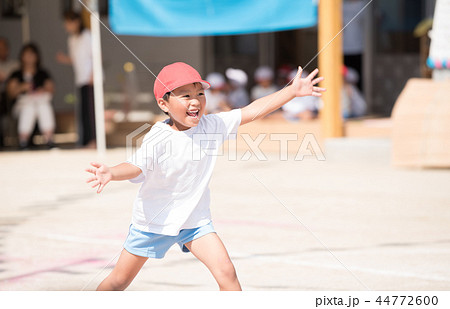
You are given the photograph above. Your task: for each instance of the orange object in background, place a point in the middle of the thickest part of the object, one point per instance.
(421, 127)
(330, 66)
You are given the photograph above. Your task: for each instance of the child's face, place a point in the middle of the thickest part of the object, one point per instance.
(186, 105)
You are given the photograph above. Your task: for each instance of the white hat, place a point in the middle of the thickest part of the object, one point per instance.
(236, 76)
(217, 80)
(263, 73)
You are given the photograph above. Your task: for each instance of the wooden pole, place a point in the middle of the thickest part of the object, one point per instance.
(330, 66)
(86, 18)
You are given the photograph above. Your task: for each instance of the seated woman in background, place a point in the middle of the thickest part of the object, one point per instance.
(32, 89)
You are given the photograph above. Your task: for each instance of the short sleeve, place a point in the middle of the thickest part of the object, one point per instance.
(229, 123)
(41, 77)
(139, 159)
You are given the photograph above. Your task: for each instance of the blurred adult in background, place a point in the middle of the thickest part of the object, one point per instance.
(80, 57)
(216, 97)
(7, 66)
(32, 90)
(353, 38)
(237, 95)
(265, 86)
(301, 108)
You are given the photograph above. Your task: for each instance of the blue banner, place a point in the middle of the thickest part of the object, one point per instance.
(209, 17)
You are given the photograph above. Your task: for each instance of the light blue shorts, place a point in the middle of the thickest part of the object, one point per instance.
(156, 245)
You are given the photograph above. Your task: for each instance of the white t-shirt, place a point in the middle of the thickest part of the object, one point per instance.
(80, 52)
(174, 194)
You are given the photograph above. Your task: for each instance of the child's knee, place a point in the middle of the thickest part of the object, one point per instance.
(119, 281)
(226, 271)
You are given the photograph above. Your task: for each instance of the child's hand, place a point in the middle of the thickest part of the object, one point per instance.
(102, 175)
(305, 86)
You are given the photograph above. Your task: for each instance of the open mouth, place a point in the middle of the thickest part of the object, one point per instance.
(193, 113)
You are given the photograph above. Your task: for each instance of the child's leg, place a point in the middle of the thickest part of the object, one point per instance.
(126, 269)
(210, 250)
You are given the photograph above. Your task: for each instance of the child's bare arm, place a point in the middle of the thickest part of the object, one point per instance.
(300, 87)
(103, 174)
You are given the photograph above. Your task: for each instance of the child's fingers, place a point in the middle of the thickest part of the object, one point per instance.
(312, 74)
(96, 183)
(91, 170)
(316, 94)
(317, 80)
(91, 179)
(96, 164)
(100, 188)
(318, 89)
(299, 72)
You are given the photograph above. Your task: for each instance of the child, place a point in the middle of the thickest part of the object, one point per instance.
(217, 99)
(174, 164)
(301, 108)
(352, 101)
(237, 95)
(264, 80)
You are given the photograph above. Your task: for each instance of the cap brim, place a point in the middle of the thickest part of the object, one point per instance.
(205, 84)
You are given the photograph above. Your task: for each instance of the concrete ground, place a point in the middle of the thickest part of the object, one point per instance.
(351, 222)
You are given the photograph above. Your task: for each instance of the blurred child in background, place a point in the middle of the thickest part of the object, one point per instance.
(301, 108)
(352, 101)
(215, 95)
(238, 96)
(265, 86)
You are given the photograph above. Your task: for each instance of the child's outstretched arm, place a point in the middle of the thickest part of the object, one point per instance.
(300, 87)
(103, 174)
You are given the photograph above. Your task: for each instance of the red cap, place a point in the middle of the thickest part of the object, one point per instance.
(176, 75)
